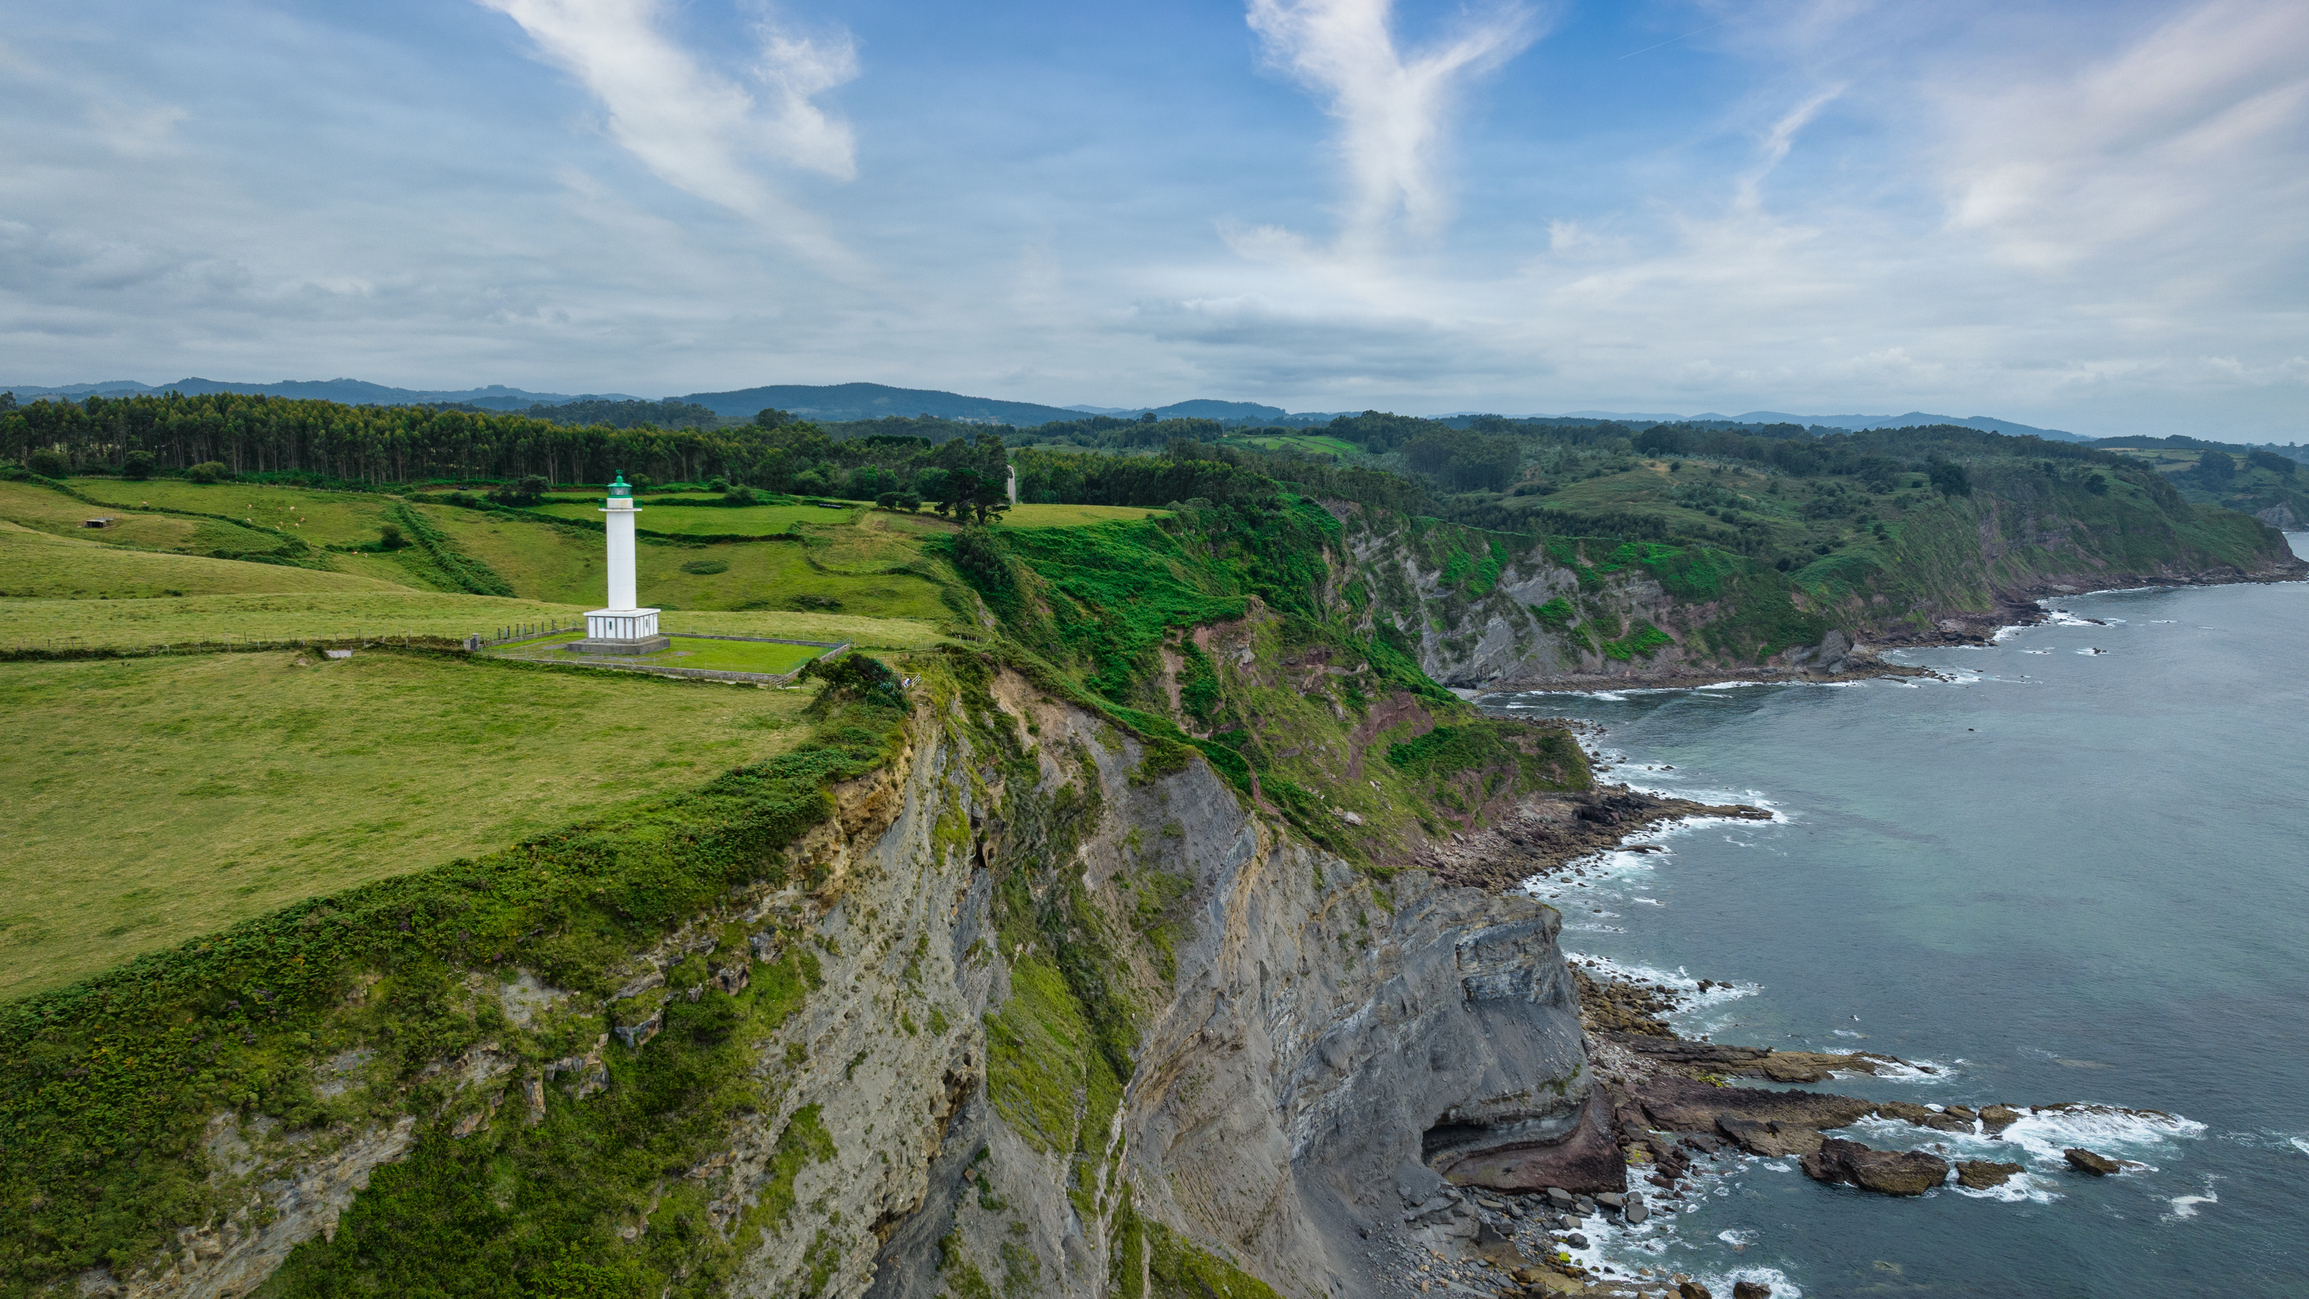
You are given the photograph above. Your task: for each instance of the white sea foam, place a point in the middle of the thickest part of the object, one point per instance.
(2040, 1136)
(1919, 1070)
(2022, 1187)
(1781, 1286)
(2185, 1206)
(1737, 1239)
(2300, 1145)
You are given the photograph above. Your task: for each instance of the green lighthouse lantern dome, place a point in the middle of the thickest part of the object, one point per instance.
(620, 488)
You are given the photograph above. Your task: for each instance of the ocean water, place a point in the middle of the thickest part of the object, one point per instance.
(2079, 871)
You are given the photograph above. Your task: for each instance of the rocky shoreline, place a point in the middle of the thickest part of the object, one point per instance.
(1667, 1114)
(1676, 677)
(1667, 1118)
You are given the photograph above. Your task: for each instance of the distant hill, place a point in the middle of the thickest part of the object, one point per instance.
(845, 402)
(1913, 419)
(352, 392)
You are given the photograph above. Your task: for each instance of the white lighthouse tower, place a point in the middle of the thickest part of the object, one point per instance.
(623, 627)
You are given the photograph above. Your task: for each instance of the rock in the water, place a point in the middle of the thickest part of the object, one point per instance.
(1693, 1290)
(1982, 1174)
(1768, 1136)
(1887, 1172)
(1637, 1212)
(1611, 1199)
(1923, 1116)
(1751, 1290)
(1687, 1105)
(2085, 1161)
(1996, 1118)
(1576, 1241)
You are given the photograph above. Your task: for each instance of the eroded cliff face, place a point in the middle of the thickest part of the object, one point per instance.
(1313, 1033)
(1492, 611)
(1072, 1024)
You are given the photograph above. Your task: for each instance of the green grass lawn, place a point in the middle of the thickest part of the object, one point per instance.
(318, 518)
(154, 800)
(333, 615)
(699, 520)
(44, 566)
(686, 652)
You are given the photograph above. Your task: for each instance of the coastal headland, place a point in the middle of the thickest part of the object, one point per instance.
(1135, 911)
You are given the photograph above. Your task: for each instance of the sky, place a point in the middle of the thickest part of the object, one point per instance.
(2091, 216)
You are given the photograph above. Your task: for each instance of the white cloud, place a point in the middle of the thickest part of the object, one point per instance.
(1392, 107)
(697, 130)
(2192, 139)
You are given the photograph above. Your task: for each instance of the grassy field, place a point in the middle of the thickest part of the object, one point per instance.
(154, 800)
(1071, 516)
(706, 521)
(1314, 443)
(319, 518)
(332, 615)
(48, 510)
(686, 652)
(320, 615)
(40, 565)
(843, 568)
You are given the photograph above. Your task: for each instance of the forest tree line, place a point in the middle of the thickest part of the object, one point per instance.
(284, 438)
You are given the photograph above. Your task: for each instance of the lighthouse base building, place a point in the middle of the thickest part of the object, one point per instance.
(623, 627)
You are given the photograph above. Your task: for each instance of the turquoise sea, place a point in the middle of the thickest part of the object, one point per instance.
(2078, 871)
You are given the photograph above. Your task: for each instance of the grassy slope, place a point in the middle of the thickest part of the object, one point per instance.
(106, 1088)
(43, 566)
(159, 799)
(318, 518)
(48, 510)
(2018, 535)
(843, 566)
(2251, 490)
(1895, 562)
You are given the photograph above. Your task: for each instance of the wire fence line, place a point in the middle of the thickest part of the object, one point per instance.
(73, 647)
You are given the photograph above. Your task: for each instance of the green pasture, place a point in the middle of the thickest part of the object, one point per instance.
(715, 520)
(1071, 516)
(859, 567)
(381, 614)
(45, 509)
(41, 566)
(318, 518)
(1642, 491)
(154, 800)
(686, 652)
(1317, 443)
(372, 611)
